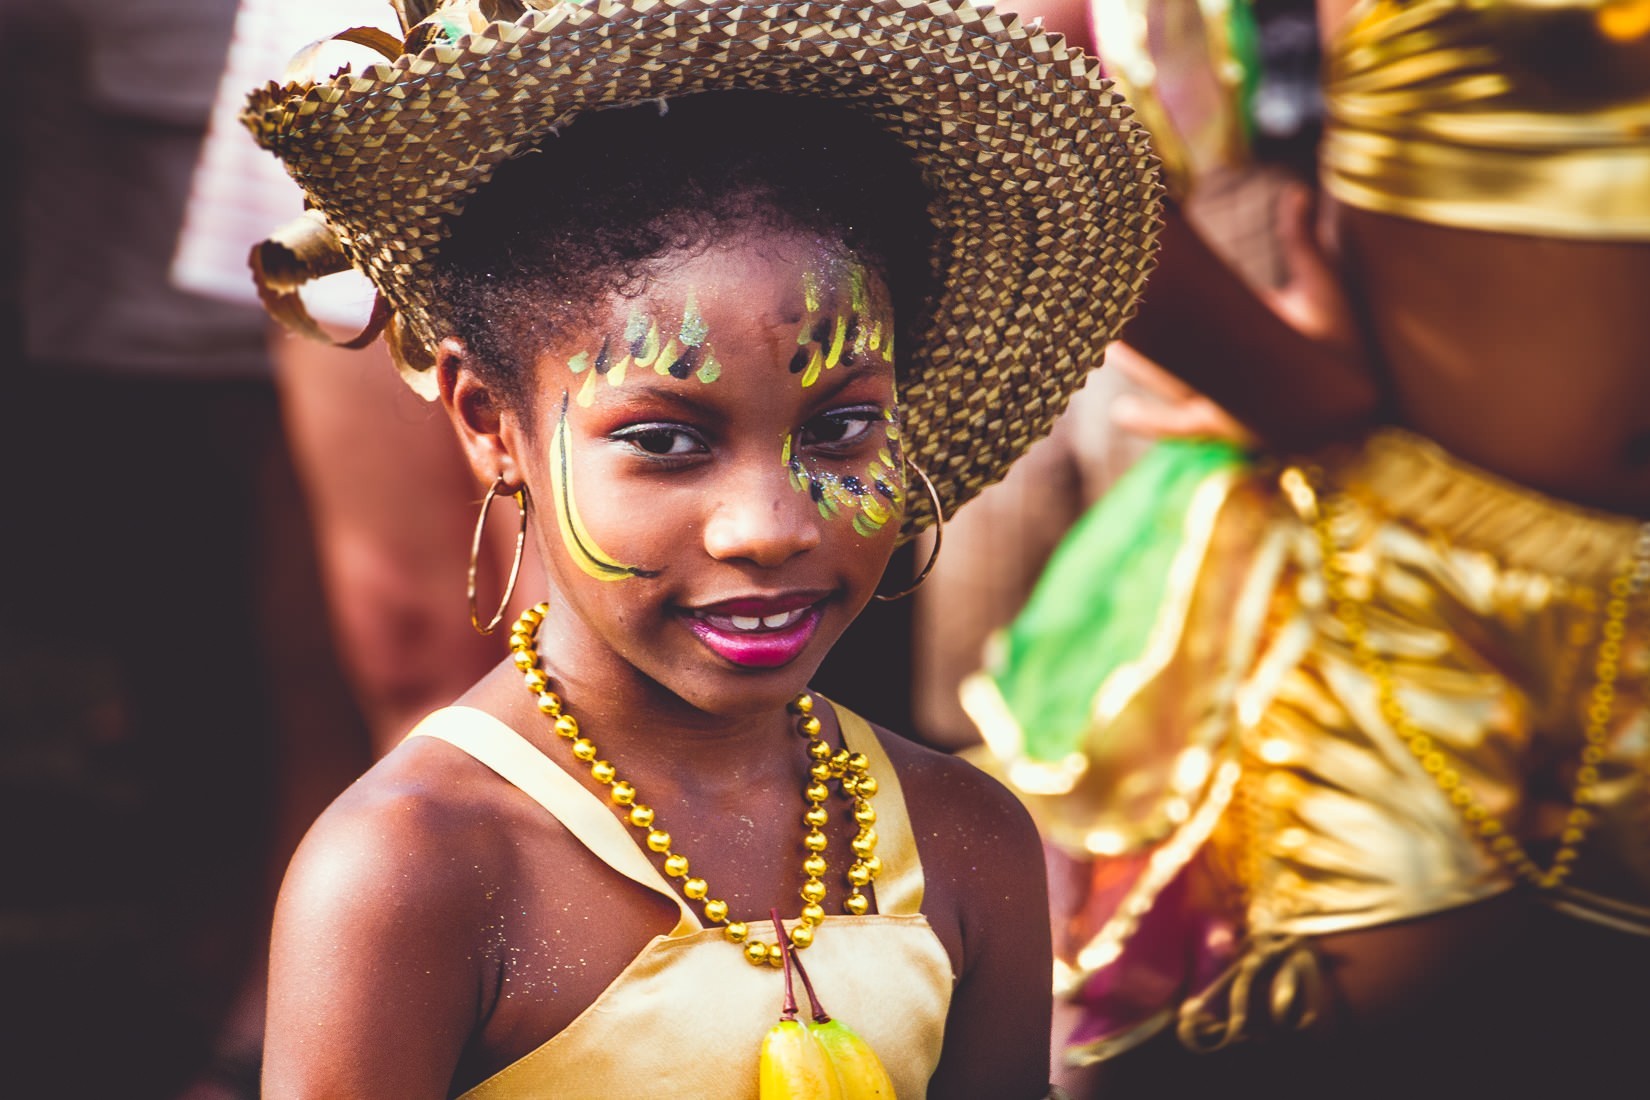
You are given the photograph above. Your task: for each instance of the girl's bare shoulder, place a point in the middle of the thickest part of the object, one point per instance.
(961, 816)
(418, 833)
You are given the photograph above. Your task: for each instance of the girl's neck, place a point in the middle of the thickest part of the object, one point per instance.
(634, 719)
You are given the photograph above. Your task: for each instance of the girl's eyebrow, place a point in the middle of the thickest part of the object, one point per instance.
(838, 378)
(646, 393)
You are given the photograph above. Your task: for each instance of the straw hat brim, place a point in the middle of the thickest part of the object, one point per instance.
(1047, 192)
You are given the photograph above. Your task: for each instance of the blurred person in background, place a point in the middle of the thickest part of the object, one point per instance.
(1353, 777)
(1252, 174)
(157, 666)
(390, 497)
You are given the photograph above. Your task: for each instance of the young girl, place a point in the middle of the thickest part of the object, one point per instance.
(723, 348)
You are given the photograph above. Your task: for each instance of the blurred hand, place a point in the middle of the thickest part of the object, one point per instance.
(1312, 298)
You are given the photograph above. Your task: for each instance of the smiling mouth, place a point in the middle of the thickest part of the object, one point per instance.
(749, 624)
(756, 641)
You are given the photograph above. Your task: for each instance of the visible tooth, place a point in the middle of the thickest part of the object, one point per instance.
(742, 622)
(774, 622)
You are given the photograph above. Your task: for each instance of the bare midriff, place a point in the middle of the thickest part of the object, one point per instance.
(1526, 356)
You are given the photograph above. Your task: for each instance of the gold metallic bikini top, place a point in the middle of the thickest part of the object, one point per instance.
(1517, 116)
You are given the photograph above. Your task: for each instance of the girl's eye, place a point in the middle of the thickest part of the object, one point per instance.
(661, 441)
(839, 428)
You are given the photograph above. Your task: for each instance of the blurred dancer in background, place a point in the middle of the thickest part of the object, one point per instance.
(159, 662)
(389, 495)
(1356, 777)
(1251, 167)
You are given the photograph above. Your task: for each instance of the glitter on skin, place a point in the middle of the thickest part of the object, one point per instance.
(829, 337)
(874, 497)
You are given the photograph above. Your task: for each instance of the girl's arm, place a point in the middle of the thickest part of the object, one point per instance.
(981, 853)
(373, 989)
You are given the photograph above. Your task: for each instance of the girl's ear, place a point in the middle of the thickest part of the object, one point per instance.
(485, 424)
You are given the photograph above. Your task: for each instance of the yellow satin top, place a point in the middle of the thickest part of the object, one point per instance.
(686, 1018)
(1516, 116)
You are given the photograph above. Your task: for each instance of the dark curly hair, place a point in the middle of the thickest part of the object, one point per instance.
(586, 214)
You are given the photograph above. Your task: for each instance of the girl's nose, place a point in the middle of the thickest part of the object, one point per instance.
(760, 517)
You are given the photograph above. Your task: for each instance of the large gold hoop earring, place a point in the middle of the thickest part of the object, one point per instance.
(520, 496)
(939, 537)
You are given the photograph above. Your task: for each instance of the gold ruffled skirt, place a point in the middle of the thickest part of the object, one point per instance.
(1444, 714)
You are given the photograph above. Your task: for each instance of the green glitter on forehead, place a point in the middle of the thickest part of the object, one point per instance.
(693, 329)
(635, 328)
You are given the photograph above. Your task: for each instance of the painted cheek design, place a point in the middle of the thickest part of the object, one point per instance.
(645, 345)
(831, 338)
(874, 497)
(574, 535)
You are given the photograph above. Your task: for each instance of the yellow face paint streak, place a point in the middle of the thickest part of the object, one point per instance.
(668, 356)
(810, 373)
(574, 536)
(825, 341)
(839, 336)
(647, 354)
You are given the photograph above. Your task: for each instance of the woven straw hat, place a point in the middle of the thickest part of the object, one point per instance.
(1046, 189)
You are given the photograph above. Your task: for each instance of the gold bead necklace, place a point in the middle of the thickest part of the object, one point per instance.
(851, 770)
(1626, 586)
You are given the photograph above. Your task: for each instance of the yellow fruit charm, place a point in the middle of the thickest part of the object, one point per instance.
(794, 1065)
(822, 1060)
(857, 1067)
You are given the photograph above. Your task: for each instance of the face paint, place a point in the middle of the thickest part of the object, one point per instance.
(575, 537)
(831, 335)
(874, 497)
(645, 346)
(696, 357)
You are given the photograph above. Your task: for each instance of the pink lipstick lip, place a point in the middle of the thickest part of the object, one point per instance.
(758, 648)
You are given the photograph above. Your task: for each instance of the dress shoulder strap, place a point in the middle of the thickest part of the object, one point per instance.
(899, 887)
(584, 815)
